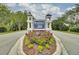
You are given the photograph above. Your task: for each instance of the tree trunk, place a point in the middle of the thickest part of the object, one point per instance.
(19, 26)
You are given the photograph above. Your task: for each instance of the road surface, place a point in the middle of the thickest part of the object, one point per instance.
(70, 42)
(7, 41)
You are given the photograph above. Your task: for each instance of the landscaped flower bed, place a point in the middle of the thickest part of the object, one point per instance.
(39, 42)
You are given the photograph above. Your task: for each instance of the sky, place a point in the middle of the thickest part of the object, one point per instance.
(39, 10)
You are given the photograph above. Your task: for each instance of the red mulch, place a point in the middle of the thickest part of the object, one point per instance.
(33, 51)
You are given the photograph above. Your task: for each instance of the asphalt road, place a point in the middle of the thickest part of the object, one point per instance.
(7, 41)
(70, 42)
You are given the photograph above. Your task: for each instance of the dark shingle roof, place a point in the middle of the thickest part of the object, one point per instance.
(48, 15)
(29, 14)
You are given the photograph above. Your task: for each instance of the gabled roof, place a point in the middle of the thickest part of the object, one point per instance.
(48, 15)
(29, 14)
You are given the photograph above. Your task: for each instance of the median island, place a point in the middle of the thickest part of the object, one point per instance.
(39, 42)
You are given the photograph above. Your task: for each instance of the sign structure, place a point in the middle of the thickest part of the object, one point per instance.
(39, 24)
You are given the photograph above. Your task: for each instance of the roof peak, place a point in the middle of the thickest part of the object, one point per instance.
(48, 14)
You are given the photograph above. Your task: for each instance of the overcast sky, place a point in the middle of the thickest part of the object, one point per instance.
(40, 10)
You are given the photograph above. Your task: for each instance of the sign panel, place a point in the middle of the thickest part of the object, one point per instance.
(39, 24)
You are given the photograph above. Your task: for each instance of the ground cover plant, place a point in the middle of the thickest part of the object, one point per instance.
(39, 42)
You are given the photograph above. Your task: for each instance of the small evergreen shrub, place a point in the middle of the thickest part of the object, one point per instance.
(47, 46)
(51, 40)
(40, 48)
(26, 40)
(39, 41)
(30, 46)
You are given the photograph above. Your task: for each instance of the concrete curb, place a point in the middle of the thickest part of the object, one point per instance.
(20, 49)
(13, 50)
(17, 48)
(58, 48)
(57, 52)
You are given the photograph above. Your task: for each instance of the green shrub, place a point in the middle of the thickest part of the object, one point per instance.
(59, 25)
(34, 39)
(74, 29)
(51, 40)
(43, 41)
(64, 28)
(40, 48)
(30, 46)
(47, 46)
(14, 27)
(26, 40)
(39, 41)
(3, 29)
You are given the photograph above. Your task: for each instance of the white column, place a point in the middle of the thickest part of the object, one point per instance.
(28, 18)
(31, 26)
(28, 26)
(46, 25)
(50, 25)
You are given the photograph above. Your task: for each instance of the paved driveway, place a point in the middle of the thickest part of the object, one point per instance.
(70, 42)
(7, 41)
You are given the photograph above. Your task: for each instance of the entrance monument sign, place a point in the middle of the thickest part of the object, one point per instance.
(39, 24)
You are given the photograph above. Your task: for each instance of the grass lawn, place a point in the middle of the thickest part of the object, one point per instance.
(10, 32)
(4, 33)
(69, 32)
(72, 32)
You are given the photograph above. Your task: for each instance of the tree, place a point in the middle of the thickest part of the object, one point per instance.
(21, 19)
(70, 17)
(77, 7)
(11, 20)
(59, 25)
(4, 15)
